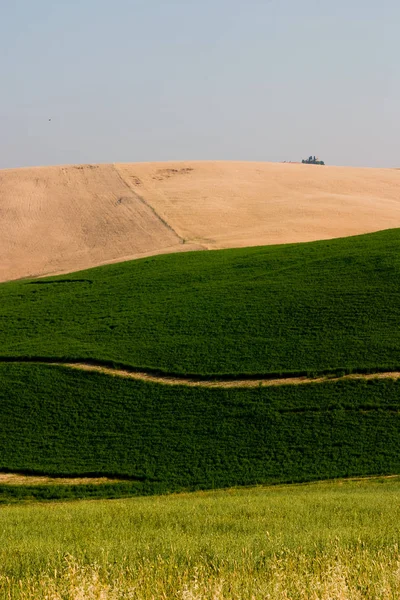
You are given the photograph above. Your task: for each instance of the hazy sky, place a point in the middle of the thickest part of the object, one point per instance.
(144, 80)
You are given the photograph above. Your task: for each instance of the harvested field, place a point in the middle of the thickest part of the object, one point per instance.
(238, 204)
(59, 219)
(63, 219)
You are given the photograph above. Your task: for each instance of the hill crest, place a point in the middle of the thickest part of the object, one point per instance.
(63, 219)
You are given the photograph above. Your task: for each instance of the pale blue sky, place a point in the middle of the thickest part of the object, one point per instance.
(144, 80)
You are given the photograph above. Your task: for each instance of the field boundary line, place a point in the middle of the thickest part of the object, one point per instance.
(148, 205)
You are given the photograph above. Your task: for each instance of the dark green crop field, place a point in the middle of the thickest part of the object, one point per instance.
(61, 421)
(313, 307)
(307, 308)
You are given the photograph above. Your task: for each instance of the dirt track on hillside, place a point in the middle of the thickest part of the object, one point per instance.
(62, 219)
(236, 383)
(21, 479)
(221, 382)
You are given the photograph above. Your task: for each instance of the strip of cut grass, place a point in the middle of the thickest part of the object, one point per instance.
(65, 422)
(326, 541)
(298, 308)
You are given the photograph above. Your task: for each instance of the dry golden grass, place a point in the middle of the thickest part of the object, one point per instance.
(62, 219)
(323, 541)
(338, 575)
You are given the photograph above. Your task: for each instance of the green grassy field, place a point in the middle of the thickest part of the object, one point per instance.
(326, 541)
(322, 306)
(307, 308)
(61, 421)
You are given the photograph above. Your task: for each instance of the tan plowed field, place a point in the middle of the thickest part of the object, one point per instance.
(62, 219)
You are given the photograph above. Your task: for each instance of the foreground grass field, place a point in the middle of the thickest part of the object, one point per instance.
(326, 541)
(61, 421)
(322, 306)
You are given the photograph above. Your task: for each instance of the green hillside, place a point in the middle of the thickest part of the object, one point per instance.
(307, 308)
(57, 420)
(316, 307)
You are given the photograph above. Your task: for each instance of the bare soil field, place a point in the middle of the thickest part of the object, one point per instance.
(62, 219)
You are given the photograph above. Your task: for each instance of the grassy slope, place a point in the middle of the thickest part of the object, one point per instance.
(294, 308)
(336, 541)
(60, 421)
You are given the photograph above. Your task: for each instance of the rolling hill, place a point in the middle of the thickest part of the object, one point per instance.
(61, 421)
(62, 219)
(253, 310)
(275, 310)
(320, 307)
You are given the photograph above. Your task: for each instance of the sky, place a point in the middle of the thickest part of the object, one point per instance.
(154, 80)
